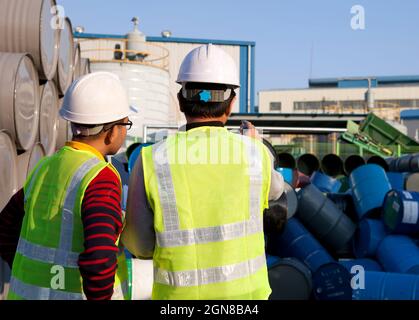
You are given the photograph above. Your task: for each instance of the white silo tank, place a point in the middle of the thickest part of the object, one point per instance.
(147, 82)
(148, 90)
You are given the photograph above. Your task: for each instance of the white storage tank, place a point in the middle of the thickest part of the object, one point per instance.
(148, 90)
(146, 77)
(64, 76)
(48, 117)
(19, 98)
(8, 169)
(28, 161)
(26, 27)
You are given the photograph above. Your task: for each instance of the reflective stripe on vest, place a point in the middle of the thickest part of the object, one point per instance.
(212, 275)
(30, 292)
(174, 237)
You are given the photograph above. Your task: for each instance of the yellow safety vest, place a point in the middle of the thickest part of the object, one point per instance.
(208, 189)
(51, 239)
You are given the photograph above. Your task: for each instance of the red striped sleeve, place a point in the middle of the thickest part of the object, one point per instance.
(102, 223)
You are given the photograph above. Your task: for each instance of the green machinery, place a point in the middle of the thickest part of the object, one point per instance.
(376, 136)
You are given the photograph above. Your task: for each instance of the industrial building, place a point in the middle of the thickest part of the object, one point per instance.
(385, 96)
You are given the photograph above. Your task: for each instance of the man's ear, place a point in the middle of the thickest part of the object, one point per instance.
(111, 135)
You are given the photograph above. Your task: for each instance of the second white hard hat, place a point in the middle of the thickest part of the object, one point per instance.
(96, 98)
(209, 64)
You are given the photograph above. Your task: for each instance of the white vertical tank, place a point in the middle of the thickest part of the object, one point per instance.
(147, 82)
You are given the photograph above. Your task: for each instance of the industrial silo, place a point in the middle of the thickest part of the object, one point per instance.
(143, 69)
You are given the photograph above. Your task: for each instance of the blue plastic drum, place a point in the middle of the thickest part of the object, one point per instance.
(388, 286)
(325, 183)
(134, 156)
(369, 185)
(401, 212)
(399, 254)
(368, 237)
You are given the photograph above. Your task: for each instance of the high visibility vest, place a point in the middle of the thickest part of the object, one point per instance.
(208, 189)
(51, 239)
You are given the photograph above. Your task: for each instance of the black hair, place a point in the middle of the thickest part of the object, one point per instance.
(200, 109)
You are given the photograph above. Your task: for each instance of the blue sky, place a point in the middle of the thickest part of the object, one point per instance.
(286, 32)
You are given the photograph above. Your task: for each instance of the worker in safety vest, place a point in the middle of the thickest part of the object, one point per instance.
(64, 226)
(196, 199)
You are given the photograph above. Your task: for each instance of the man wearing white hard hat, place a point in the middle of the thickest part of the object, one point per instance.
(70, 208)
(196, 200)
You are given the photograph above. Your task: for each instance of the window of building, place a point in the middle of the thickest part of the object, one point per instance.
(316, 105)
(408, 104)
(275, 106)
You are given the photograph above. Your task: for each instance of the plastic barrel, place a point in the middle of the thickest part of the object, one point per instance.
(388, 286)
(135, 154)
(8, 169)
(332, 165)
(345, 203)
(26, 26)
(412, 182)
(19, 92)
(64, 75)
(332, 282)
(397, 180)
(344, 184)
(27, 162)
(353, 162)
(287, 173)
(409, 163)
(298, 243)
(289, 279)
(320, 215)
(325, 183)
(399, 254)
(308, 163)
(368, 237)
(369, 186)
(286, 160)
(292, 201)
(301, 180)
(271, 260)
(401, 212)
(48, 117)
(378, 161)
(367, 264)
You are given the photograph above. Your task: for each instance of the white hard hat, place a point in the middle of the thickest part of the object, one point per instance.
(209, 64)
(96, 98)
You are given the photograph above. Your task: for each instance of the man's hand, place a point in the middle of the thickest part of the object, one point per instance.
(249, 130)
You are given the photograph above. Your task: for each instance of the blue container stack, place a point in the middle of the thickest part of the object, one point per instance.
(382, 260)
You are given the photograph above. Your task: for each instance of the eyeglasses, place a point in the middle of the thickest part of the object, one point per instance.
(126, 124)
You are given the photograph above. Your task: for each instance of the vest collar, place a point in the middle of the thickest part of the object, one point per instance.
(85, 147)
(196, 125)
